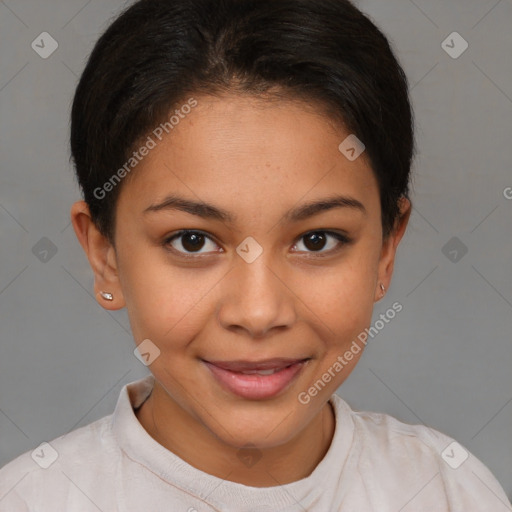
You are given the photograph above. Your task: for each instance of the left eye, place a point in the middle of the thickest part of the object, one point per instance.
(193, 241)
(316, 240)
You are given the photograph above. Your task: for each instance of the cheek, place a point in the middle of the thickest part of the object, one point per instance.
(169, 305)
(346, 309)
(156, 295)
(160, 312)
(345, 298)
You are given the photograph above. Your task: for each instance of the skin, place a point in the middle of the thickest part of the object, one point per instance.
(256, 159)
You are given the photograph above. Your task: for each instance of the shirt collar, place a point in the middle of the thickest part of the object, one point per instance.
(139, 446)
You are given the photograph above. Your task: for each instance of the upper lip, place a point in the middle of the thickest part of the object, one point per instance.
(267, 364)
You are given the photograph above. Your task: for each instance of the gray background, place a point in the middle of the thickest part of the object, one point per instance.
(443, 361)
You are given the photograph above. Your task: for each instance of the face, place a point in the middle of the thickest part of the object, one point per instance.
(261, 280)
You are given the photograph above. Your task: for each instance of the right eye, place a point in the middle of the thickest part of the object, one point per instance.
(191, 241)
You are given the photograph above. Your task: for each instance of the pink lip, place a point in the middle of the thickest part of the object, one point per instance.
(256, 386)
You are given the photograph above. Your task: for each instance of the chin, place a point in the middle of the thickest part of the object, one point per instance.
(262, 427)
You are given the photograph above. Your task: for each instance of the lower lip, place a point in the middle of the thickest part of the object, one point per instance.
(256, 386)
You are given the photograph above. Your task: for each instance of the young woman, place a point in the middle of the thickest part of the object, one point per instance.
(245, 167)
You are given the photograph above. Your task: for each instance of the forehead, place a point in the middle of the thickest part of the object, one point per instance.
(250, 148)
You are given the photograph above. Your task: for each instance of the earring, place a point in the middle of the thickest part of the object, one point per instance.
(107, 296)
(383, 289)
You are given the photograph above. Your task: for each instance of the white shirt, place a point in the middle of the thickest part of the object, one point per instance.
(374, 463)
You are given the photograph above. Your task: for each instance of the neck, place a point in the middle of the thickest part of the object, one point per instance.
(199, 447)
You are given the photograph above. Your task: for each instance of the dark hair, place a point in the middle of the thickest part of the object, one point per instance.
(159, 52)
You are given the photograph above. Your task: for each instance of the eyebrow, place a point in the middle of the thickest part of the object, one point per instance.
(302, 212)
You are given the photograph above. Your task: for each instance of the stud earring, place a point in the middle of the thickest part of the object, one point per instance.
(383, 289)
(107, 296)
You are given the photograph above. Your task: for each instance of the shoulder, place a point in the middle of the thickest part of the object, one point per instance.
(53, 464)
(399, 455)
(383, 439)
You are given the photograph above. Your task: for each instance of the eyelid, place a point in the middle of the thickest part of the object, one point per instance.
(168, 239)
(342, 238)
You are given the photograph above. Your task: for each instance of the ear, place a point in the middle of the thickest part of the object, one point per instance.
(101, 255)
(389, 246)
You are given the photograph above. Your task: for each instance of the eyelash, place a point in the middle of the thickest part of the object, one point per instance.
(344, 240)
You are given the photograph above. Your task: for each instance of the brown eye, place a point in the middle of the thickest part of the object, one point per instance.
(186, 242)
(192, 241)
(315, 241)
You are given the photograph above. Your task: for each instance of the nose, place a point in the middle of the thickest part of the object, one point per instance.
(257, 299)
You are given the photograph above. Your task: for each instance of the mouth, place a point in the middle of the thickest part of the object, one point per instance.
(256, 379)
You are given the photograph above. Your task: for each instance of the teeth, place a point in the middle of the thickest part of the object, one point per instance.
(262, 372)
